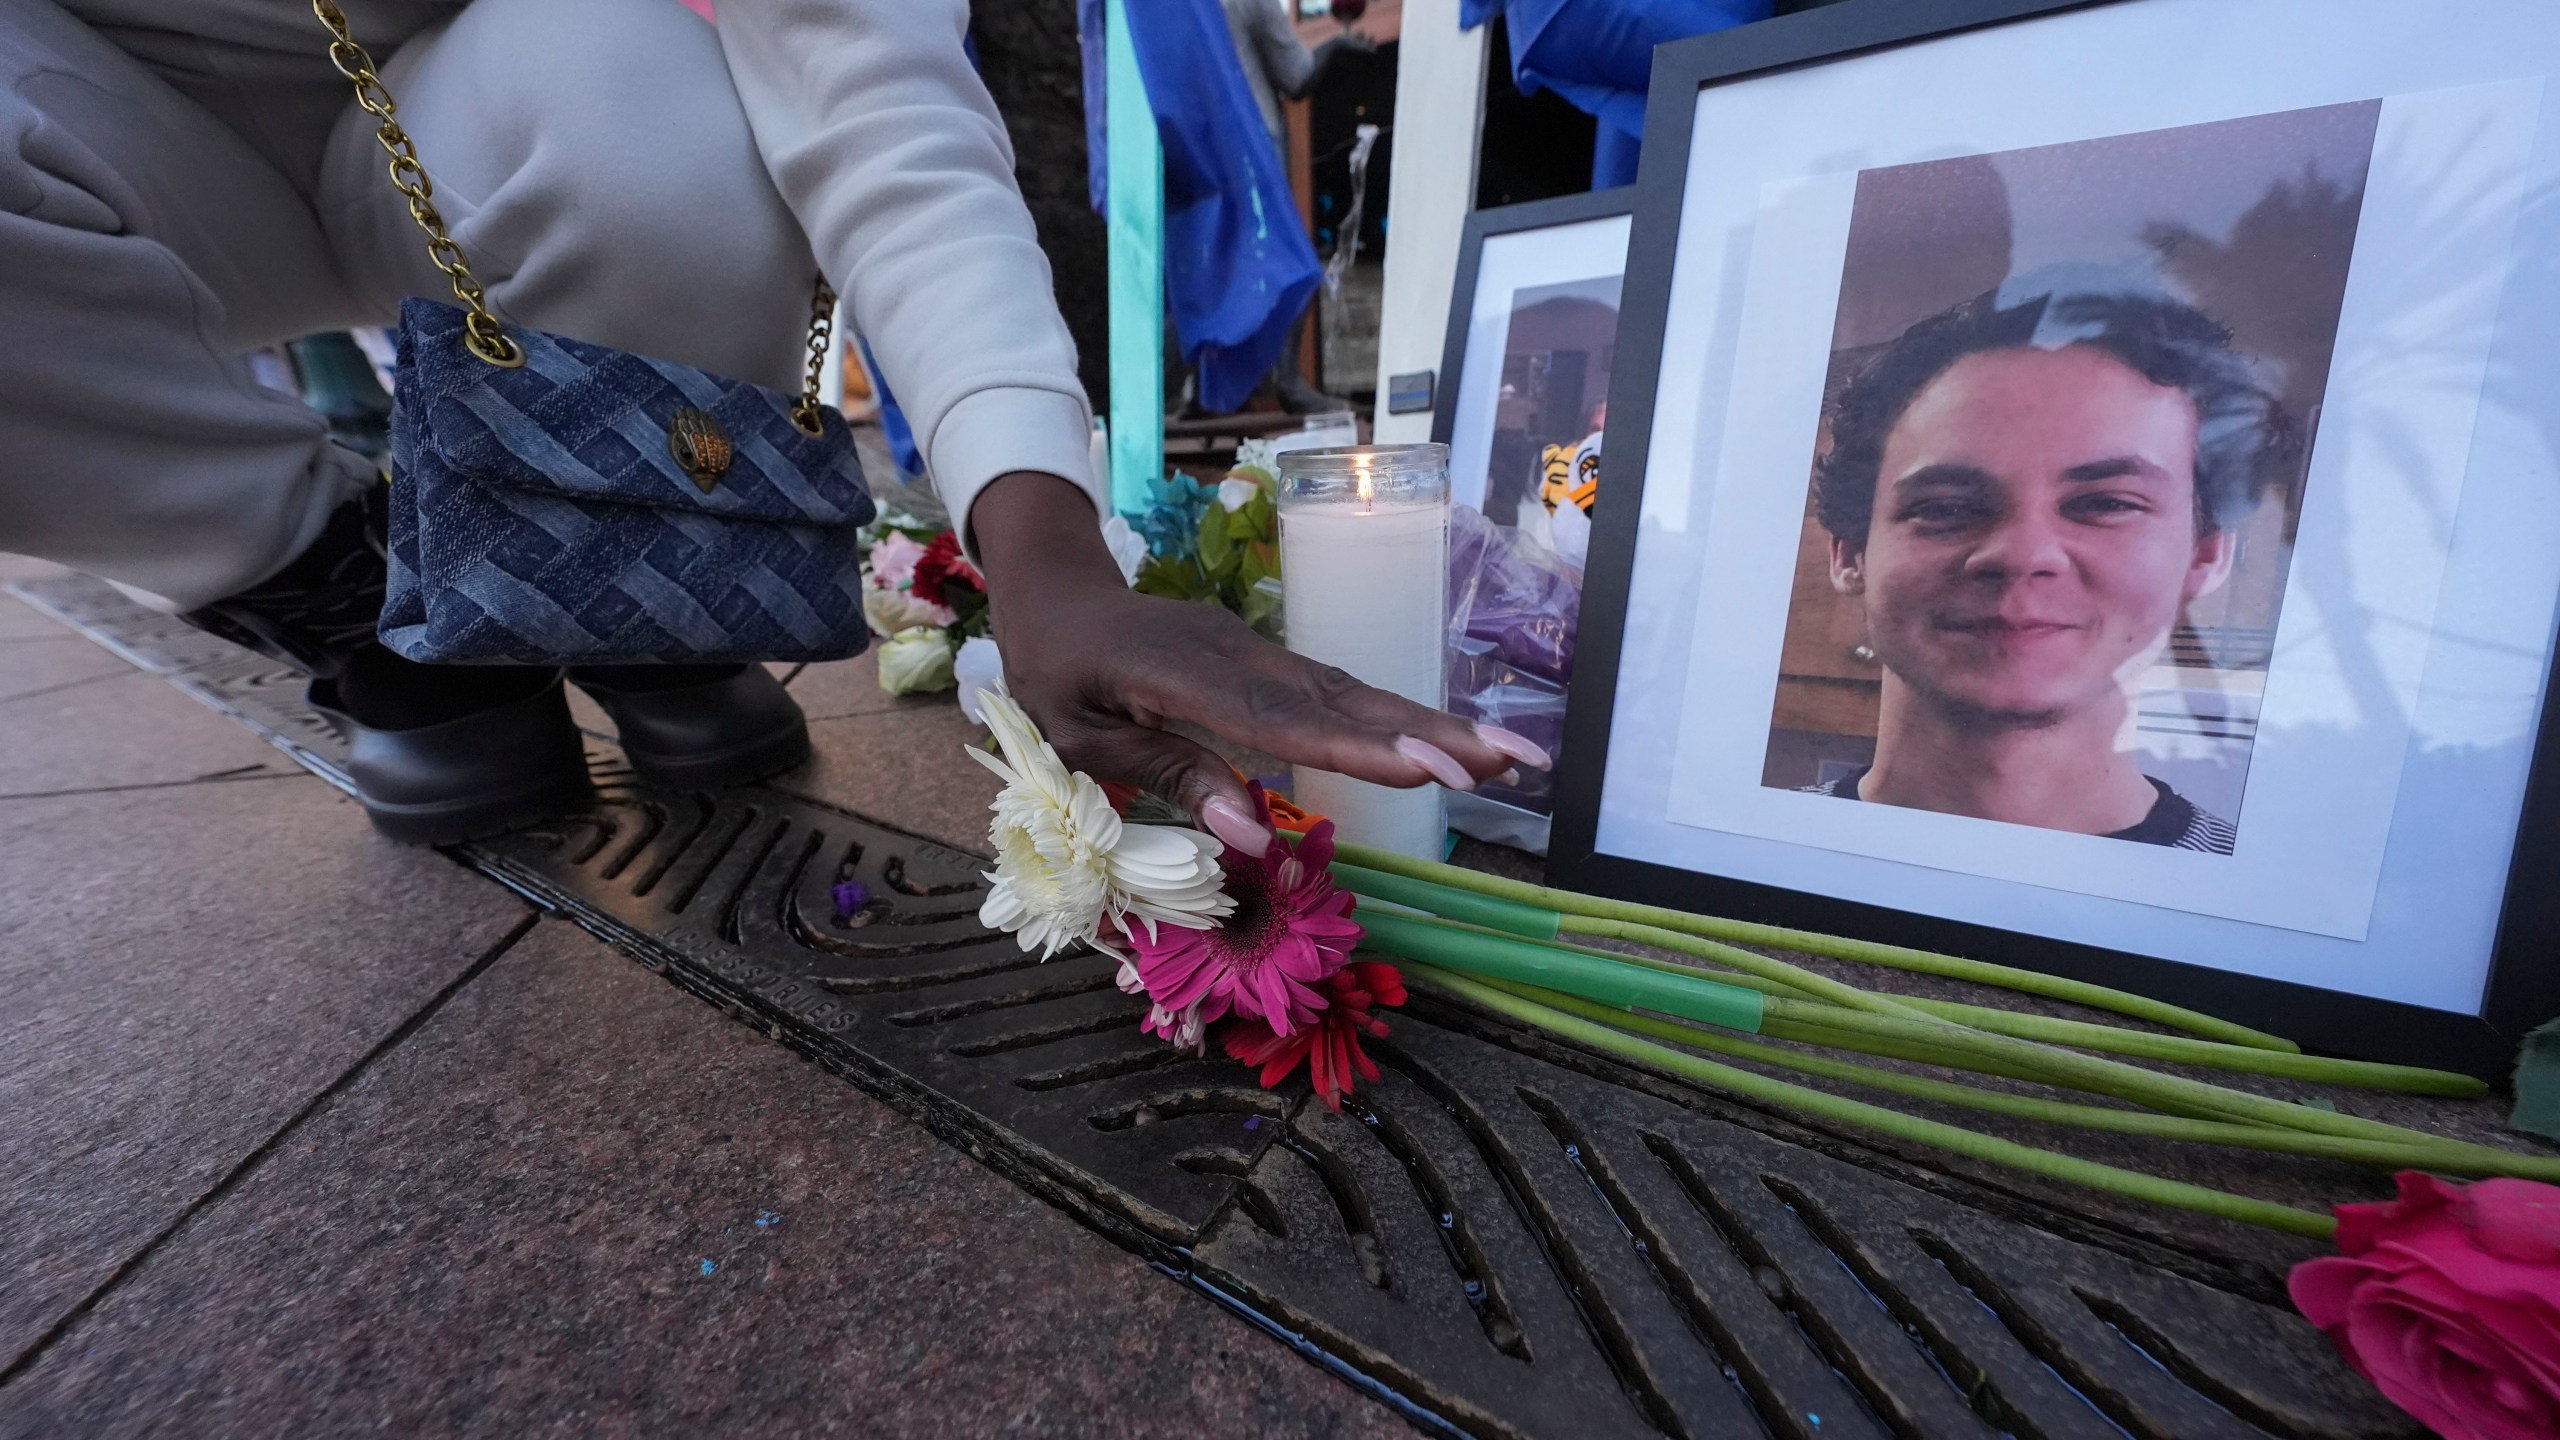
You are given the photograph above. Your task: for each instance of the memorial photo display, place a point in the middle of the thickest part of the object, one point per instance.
(2106, 526)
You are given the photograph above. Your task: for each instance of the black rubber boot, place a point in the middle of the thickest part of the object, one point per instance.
(438, 753)
(492, 768)
(700, 727)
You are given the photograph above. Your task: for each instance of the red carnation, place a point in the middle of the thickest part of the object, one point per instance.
(942, 565)
(1331, 1043)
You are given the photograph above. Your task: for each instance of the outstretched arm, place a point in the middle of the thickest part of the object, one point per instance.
(1102, 668)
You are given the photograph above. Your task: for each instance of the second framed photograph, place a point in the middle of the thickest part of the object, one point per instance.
(1523, 399)
(2106, 527)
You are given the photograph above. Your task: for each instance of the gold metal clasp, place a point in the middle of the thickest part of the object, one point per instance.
(700, 445)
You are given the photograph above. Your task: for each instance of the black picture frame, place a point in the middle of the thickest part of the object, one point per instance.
(2523, 987)
(1481, 226)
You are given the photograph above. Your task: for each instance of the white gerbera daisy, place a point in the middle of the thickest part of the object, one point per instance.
(1066, 865)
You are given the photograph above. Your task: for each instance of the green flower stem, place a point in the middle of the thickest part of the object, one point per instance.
(1691, 996)
(1490, 912)
(2385, 1154)
(1809, 1033)
(2184, 1050)
(1830, 1039)
(1841, 1039)
(1821, 1103)
(2179, 1049)
(1602, 975)
(2086, 1072)
(1897, 957)
(2149, 1087)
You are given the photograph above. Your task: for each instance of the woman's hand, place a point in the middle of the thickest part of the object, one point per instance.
(1101, 668)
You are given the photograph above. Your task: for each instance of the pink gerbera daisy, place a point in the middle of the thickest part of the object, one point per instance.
(1269, 960)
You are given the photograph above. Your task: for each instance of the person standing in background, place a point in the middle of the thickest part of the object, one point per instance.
(1277, 66)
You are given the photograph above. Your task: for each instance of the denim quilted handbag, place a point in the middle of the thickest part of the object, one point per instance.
(560, 503)
(541, 515)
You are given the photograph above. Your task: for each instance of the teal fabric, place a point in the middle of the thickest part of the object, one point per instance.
(1239, 268)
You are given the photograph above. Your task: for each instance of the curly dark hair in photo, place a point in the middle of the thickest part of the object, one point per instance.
(2246, 445)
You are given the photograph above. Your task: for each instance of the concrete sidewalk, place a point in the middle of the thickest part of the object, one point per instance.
(308, 1133)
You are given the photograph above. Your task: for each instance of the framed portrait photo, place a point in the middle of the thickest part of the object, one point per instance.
(2086, 493)
(1523, 397)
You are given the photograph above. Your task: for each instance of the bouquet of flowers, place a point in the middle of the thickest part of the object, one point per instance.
(924, 600)
(1256, 946)
(928, 605)
(1216, 544)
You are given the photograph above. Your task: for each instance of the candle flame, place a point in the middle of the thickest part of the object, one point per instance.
(1360, 475)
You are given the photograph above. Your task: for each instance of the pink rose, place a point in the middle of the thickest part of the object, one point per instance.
(893, 560)
(2448, 1300)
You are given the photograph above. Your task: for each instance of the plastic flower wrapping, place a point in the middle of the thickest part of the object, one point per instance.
(1256, 948)
(1513, 605)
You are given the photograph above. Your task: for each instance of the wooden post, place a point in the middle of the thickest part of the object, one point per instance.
(1136, 225)
(1302, 184)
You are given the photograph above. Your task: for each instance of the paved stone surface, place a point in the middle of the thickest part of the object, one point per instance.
(840, 688)
(903, 768)
(20, 621)
(541, 1214)
(526, 1212)
(42, 665)
(123, 730)
(185, 969)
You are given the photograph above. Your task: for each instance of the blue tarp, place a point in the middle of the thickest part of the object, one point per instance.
(893, 420)
(1598, 55)
(1238, 266)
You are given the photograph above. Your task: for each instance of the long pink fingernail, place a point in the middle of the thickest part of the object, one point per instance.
(1436, 762)
(1237, 830)
(1518, 747)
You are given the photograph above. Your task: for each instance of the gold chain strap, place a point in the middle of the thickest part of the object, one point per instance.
(483, 334)
(822, 329)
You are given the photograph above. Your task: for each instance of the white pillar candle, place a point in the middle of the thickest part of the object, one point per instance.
(1364, 566)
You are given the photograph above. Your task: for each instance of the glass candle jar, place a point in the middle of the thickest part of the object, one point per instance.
(1364, 575)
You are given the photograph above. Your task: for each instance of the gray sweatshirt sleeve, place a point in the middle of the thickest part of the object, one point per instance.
(886, 146)
(1291, 66)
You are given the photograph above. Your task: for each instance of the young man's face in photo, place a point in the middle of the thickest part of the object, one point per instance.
(2034, 535)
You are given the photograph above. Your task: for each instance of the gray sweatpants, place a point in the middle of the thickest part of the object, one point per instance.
(590, 155)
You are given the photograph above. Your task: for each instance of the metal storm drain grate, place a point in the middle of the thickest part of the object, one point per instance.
(1504, 1237)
